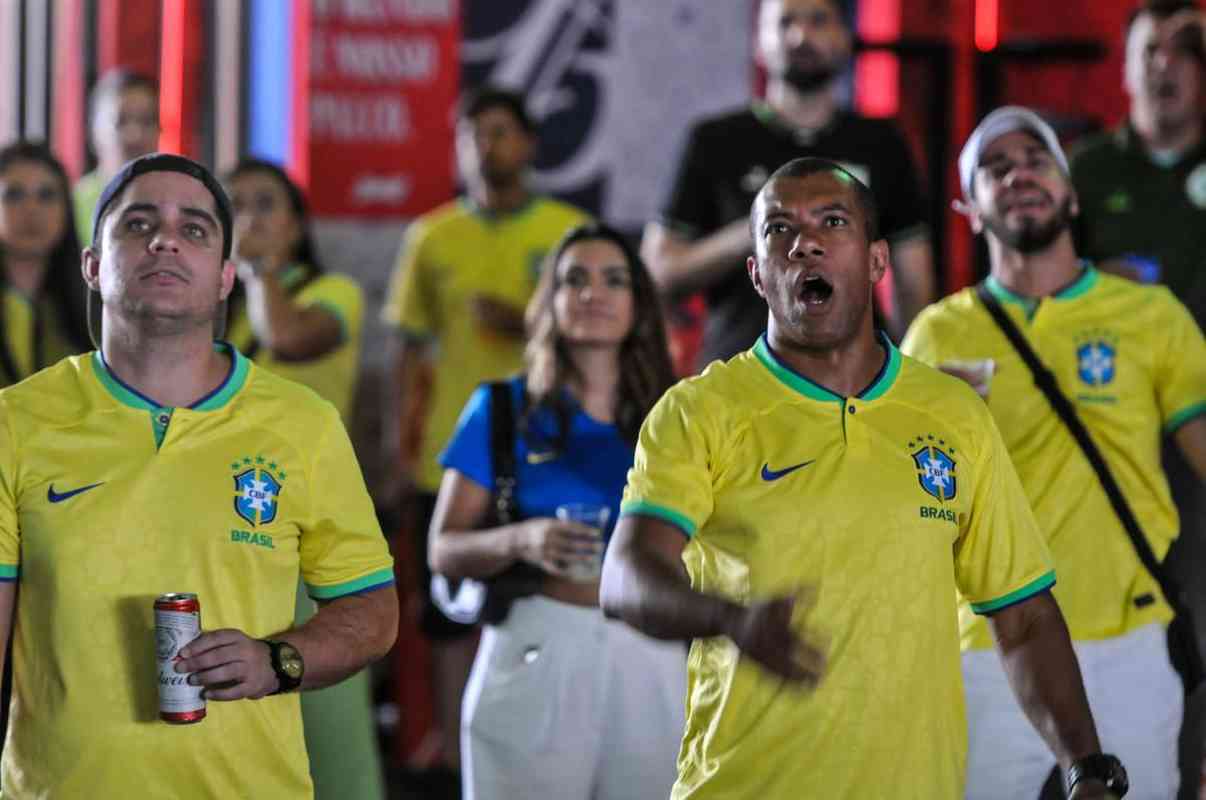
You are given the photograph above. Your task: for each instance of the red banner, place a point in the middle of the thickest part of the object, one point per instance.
(384, 77)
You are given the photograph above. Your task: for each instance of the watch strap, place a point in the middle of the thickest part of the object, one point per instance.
(285, 681)
(1101, 767)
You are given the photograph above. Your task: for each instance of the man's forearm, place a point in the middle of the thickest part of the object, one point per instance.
(1038, 658)
(657, 599)
(681, 267)
(345, 635)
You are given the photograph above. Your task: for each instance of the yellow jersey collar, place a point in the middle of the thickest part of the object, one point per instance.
(793, 380)
(1077, 288)
(218, 398)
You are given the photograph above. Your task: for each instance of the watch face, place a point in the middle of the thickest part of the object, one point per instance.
(291, 661)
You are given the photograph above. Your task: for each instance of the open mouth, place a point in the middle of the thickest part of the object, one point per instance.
(815, 290)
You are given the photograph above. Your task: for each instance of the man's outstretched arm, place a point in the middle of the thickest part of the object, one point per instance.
(644, 584)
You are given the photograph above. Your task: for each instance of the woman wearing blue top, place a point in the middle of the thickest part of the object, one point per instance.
(562, 702)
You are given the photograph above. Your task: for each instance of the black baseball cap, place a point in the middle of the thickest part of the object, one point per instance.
(167, 162)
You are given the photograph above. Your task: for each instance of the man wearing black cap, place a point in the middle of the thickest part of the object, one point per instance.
(166, 462)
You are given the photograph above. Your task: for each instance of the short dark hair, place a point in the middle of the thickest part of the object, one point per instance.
(485, 98)
(804, 167)
(116, 81)
(1160, 10)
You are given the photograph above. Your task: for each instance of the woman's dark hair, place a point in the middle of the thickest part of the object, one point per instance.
(645, 368)
(64, 283)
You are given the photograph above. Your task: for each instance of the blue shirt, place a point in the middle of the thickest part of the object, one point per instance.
(592, 469)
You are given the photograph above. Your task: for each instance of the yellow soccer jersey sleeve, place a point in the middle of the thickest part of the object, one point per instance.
(1180, 379)
(672, 476)
(1001, 556)
(410, 304)
(341, 545)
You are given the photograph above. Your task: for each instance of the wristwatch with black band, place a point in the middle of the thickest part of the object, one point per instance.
(287, 664)
(1099, 767)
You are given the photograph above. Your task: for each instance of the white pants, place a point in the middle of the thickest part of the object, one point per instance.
(1136, 698)
(563, 703)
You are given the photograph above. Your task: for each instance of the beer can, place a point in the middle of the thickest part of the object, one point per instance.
(177, 622)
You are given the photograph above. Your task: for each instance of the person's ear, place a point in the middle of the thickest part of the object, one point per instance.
(881, 258)
(751, 267)
(228, 279)
(971, 211)
(90, 267)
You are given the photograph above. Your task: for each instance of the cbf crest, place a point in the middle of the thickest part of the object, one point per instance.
(258, 485)
(935, 464)
(1096, 357)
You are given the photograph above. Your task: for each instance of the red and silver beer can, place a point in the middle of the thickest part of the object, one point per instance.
(177, 622)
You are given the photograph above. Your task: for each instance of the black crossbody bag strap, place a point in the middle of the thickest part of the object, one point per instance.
(502, 451)
(1045, 380)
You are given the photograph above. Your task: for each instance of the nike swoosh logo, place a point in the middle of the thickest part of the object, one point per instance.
(55, 497)
(769, 474)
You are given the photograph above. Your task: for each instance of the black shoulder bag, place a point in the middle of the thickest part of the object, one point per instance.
(1182, 637)
(471, 601)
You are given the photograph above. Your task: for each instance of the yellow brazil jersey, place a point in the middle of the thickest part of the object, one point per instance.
(108, 500)
(451, 254)
(332, 376)
(33, 337)
(1132, 361)
(886, 503)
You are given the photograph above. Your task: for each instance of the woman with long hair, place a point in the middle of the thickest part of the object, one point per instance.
(286, 312)
(562, 702)
(303, 323)
(43, 315)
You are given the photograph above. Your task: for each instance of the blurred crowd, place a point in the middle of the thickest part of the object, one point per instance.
(530, 342)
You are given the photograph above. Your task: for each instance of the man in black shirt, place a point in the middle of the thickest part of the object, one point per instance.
(701, 241)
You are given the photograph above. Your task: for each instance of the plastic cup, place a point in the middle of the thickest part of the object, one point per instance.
(594, 516)
(976, 371)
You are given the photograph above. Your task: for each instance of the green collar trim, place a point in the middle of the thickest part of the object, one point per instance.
(1077, 288)
(291, 275)
(219, 397)
(815, 391)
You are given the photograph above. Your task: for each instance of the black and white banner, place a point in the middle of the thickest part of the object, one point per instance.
(614, 86)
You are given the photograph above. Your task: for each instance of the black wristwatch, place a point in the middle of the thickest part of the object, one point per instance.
(287, 664)
(1099, 767)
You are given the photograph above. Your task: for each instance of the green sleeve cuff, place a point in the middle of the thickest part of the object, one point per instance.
(1040, 584)
(374, 580)
(9, 572)
(638, 508)
(1184, 415)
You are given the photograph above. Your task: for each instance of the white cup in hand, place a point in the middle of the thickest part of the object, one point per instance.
(977, 372)
(593, 516)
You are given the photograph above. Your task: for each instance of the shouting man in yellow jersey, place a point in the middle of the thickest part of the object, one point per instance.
(1132, 362)
(806, 513)
(167, 462)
